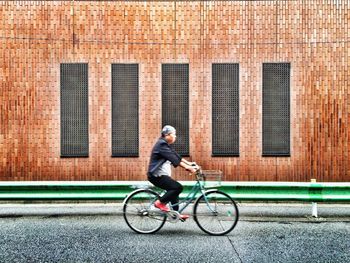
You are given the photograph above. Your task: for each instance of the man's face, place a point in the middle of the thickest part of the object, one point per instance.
(170, 138)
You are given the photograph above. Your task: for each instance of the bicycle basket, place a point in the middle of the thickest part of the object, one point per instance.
(211, 178)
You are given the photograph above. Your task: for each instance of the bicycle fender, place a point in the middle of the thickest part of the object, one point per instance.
(212, 190)
(207, 191)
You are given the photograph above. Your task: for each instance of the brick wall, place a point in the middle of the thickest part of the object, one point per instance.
(36, 36)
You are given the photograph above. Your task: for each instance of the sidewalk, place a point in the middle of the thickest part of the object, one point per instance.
(248, 211)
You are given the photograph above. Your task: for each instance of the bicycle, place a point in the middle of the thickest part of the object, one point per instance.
(214, 211)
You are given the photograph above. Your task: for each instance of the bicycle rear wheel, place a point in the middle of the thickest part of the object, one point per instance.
(140, 215)
(215, 213)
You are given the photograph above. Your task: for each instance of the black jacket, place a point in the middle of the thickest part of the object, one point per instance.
(161, 153)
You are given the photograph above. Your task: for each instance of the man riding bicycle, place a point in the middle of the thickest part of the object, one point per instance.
(159, 171)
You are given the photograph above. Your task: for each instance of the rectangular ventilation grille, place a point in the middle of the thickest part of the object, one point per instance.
(175, 103)
(125, 110)
(225, 109)
(276, 109)
(74, 110)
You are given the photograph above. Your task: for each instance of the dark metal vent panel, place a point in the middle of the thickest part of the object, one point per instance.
(225, 109)
(175, 103)
(74, 110)
(125, 110)
(276, 109)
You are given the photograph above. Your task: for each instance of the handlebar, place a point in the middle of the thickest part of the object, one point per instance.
(198, 171)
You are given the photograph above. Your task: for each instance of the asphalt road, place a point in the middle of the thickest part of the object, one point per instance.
(106, 238)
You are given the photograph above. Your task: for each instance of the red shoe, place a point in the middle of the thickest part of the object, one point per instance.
(184, 217)
(161, 206)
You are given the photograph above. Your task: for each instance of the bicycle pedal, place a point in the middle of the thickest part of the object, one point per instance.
(183, 218)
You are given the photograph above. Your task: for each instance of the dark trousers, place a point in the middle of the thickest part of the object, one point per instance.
(172, 187)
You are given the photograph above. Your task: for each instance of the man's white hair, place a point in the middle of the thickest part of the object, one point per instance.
(167, 129)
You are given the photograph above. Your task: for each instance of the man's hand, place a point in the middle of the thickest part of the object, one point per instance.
(189, 166)
(192, 169)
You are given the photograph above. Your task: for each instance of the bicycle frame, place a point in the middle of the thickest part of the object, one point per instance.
(191, 196)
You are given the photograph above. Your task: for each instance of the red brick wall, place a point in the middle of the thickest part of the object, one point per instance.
(36, 36)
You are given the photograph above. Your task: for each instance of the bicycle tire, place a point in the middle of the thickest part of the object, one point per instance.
(224, 218)
(138, 213)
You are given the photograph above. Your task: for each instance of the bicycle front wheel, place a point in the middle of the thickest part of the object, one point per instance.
(139, 213)
(215, 213)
